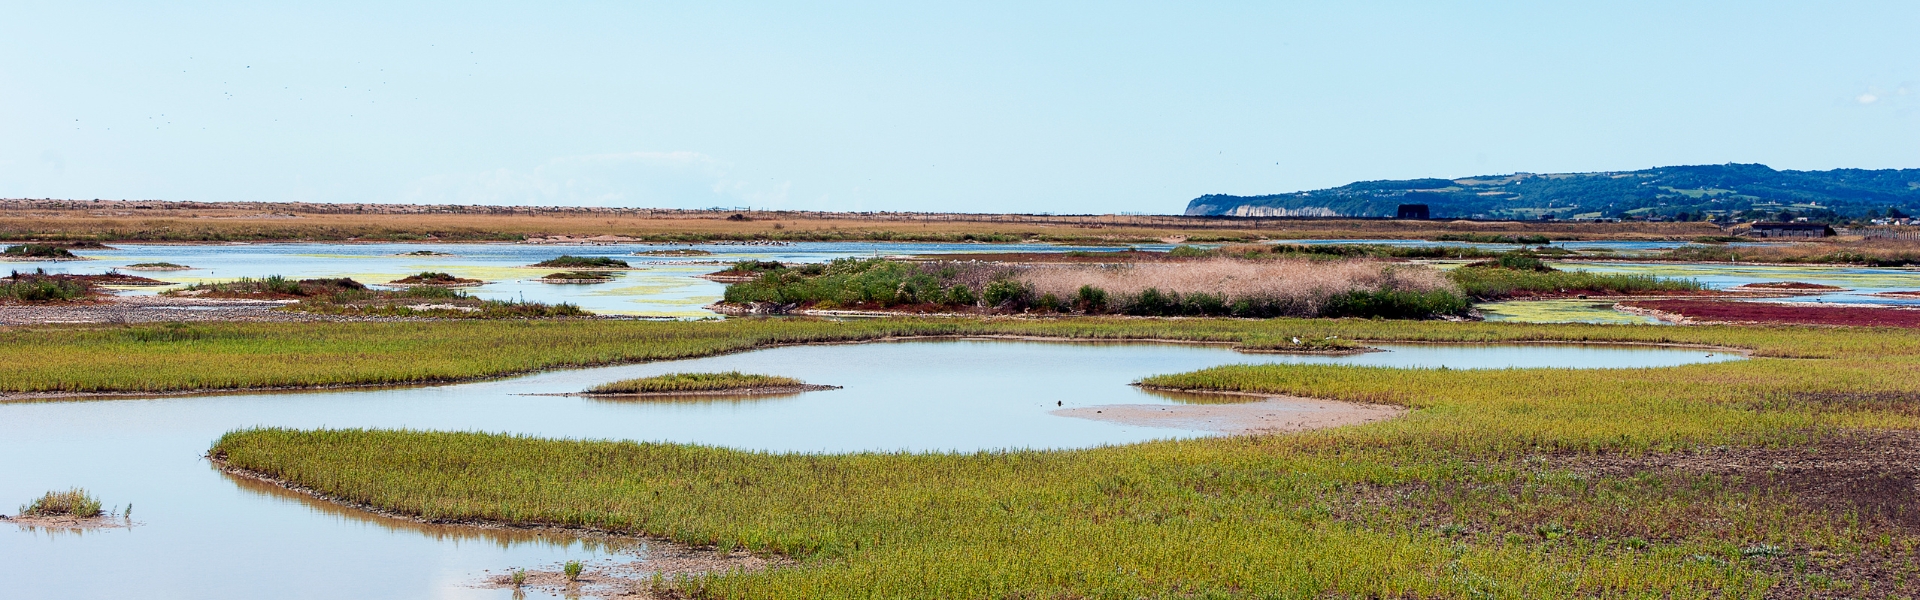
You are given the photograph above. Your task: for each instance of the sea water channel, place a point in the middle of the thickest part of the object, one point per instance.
(203, 534)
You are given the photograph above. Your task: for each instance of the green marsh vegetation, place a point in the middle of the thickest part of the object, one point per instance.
(1871, 252)
(1210, 287)
(38, 251)
(1524, 274)
(1735, 480)
(693, 382)
(235, 356)
(346, 297)
(568, 261)
(157, 265)
(39, 287)
(576, 277)
(434, 278)
(74, 502)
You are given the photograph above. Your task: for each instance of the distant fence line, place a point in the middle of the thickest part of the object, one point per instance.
(1891, 233)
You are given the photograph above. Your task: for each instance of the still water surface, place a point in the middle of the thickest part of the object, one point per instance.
(205, 535)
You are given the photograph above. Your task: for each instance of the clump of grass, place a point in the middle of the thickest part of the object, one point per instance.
(693, 382)
(41, 251)
(572, 570)
(518, 577)
(74, 502)
(434, 278)
(576, 277)
(567, 261)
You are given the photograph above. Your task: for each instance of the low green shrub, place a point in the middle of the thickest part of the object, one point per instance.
(74, 502)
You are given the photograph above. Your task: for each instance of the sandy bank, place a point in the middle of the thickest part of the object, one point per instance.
(1271, 414)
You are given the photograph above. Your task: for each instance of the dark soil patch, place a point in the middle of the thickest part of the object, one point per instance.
(1759, 312)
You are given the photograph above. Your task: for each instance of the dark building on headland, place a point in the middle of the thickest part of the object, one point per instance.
(1413, 211)
(1777, 230)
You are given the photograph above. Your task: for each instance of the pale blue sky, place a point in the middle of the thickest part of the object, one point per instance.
(1022, 106)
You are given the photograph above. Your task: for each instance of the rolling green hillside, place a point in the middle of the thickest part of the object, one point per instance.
(1731, 191)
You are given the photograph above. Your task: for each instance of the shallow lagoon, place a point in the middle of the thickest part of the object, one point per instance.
(208, 535)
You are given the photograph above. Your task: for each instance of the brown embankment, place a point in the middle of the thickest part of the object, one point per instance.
(118, 220)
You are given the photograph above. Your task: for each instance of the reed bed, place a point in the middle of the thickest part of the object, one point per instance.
(1475, 494)
(1206, 287)
(693, 382)
(1282, 287)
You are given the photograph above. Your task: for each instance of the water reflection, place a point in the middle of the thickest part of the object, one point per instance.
(504, 538)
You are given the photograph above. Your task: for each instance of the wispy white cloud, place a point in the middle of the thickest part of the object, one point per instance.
(655, 179)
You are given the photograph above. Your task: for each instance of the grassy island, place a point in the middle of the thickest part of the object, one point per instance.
(433, 278)
(576, 277)
(346, 297)
(158, 266)
(567, 261)
(38, 252)
(695, 382)
(75, 502)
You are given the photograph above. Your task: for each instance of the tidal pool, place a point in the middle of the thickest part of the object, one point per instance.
(203, 534)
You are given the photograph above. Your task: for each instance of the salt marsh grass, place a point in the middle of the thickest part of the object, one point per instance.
(693, 382)
(1470, 495)
(75, 502)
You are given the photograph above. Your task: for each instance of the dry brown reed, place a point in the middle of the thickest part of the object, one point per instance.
(1309, 281)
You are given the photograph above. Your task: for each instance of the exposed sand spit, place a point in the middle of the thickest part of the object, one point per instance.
(1273, 414)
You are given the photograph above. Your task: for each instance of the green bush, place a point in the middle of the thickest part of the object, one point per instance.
(1090, 299)
(1006, 293)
